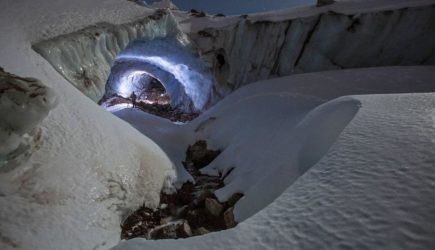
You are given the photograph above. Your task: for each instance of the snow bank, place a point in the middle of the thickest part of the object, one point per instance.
(371, 181)
(273, 117)
(91, 169)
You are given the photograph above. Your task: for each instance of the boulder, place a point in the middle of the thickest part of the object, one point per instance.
(230, 222)
(213, 207)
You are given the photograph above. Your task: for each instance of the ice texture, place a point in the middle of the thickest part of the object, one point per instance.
(85, 57)
(24, 103)
(349, 34)
(186, 78)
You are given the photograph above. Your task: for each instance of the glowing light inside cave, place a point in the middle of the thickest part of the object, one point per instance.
(126, 84)
(196, 85)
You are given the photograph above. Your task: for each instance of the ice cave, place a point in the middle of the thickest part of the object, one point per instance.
(201, 124)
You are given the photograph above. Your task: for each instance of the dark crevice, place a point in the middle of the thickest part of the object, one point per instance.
(192, 210)
(276, 64)
(307, 40)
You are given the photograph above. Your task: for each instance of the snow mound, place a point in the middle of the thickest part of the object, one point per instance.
(373, 188)
(91, 169)
(276, 118)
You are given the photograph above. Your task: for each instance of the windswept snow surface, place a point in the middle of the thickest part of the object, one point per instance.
(358, 151)
(91, 168)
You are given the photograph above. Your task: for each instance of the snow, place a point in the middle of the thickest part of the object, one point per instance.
(369, 184)
(90, 169)
(354, 172)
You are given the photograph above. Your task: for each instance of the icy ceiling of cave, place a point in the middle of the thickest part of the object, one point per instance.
(186, 78)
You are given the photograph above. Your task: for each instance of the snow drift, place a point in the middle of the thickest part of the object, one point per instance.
(370, 182)
(91, 169)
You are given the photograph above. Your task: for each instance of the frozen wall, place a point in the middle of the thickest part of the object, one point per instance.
(318, 39)
(85, 57)
(251, 48)
(187, 79)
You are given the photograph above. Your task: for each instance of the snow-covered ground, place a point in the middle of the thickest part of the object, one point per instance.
(91, 168)
(368, 160)
(373, 189)
(281, 121)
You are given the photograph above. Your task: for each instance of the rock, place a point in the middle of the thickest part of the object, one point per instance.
(234, 199)
(184, 230)
(230, 222)
(213, 207)
(195, 217)
(172, 230)
(165, 220)
(201, 197)
(201, 231)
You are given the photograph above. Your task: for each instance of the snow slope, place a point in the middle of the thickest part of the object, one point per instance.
(91, 168)
(369, 163)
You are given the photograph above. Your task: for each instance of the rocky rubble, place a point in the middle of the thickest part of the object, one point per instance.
(162, 110)
(193, 210)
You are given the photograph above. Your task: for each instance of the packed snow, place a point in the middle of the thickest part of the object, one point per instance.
(282, 122)
(373, 189)
(90, 169)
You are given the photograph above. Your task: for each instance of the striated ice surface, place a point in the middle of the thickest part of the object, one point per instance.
(24, 103)
(85, 57)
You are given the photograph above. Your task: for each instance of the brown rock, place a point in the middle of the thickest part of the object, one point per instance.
(234, 199)
(174, 230)
(201, 231)
(199, 155)
(213, 207)
(230, 222)
(184, 231)
(195, 217)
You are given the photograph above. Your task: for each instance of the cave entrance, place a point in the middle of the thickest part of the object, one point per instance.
(168, 79)
(151, 96)
(154, 93)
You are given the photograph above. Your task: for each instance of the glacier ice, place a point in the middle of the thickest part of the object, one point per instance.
(24, 103)
(85, 57)
(186, 78)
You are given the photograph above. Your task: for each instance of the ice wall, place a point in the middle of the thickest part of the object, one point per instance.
(253, 49)
(24, 103)
(85, 57)
(186, 78)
